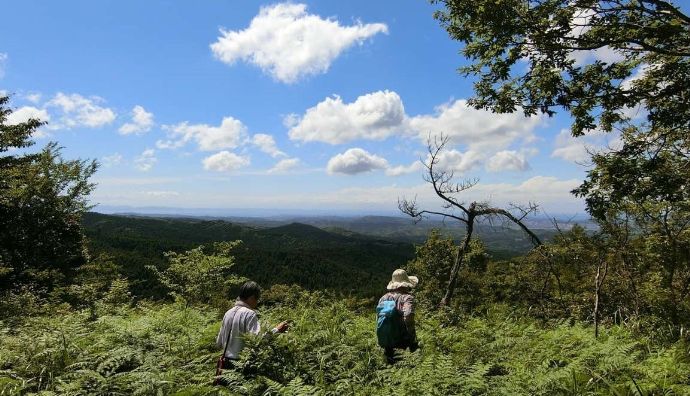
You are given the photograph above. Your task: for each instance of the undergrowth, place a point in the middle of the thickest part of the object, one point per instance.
(157, 349)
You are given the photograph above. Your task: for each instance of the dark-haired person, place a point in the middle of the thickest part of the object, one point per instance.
(240, 320)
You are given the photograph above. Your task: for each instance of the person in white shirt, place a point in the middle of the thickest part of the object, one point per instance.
(239, 320)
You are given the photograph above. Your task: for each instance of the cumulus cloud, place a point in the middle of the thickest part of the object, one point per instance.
(111, 160)
(267, 144)
(354, 161)
(459, 162)
(580, 149)
(477, 129)
(374, 116)
(285, 165)
(142, 121)
(23, 114)
(405, 169)
(381, 114)
(79, 111)
(228, 135)
(289, 44)
(146, 160)
(225, 161)
(507, 160)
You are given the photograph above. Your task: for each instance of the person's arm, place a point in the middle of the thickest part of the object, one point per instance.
(223, 332)
(253, 326)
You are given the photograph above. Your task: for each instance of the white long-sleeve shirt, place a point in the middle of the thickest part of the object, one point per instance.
(241, 319)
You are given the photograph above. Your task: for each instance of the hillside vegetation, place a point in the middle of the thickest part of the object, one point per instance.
(331, 350)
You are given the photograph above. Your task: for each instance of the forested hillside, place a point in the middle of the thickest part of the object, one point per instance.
(290, 254)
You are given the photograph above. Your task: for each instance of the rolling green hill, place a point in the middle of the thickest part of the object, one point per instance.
(292, 253)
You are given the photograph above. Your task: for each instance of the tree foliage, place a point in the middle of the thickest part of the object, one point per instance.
(528, 55)
(42, 198)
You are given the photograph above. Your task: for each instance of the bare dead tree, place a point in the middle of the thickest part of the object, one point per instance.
(447, 189)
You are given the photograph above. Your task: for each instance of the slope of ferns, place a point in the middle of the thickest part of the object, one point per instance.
(157, 349)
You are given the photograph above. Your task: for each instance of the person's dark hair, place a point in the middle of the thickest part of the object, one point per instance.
(248, 289)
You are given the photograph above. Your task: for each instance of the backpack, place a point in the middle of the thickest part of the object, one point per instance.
(388, 330)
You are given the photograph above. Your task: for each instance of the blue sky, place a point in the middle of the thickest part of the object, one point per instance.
(279, 106)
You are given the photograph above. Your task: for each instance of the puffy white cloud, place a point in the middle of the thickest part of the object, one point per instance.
(285, 165)
(355, 160)
(79, 111)
(111, 160)
(3, 60)
(580, 149)
(142, 121)
(228, 135)
(288, 43)
(23, 114)
(267, 144)
(146, 160)
(459, 162)
(405, 169)
(477, 129)
(225, 161)
(507, 160)
(374, 116)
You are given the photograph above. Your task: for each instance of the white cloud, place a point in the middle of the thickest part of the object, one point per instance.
(33, 97)
(79, 111)
(112, 160)
(3, 60)
(580, 149)
(355, 160)
(605, 54)
(374, 116)
(458, 162)
(287, 43)
(146, 160)
(228, 135)
(267, 144)
(479, 130)
(405, 169)
(285, 165)
(225, 161)
(579, 26)
(3, 93)
(507, 160)
(142, 121)
(23, 114)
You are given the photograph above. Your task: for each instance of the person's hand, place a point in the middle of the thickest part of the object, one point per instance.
(282, 327)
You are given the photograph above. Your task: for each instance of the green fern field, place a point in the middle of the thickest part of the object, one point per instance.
(161, 349)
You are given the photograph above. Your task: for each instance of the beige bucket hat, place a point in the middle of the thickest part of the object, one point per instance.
(401, 279)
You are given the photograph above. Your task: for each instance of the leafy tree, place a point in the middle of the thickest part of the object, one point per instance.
(42, 198)
(433, 262)
(200, 274)
(539, 56)
(528, 55)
